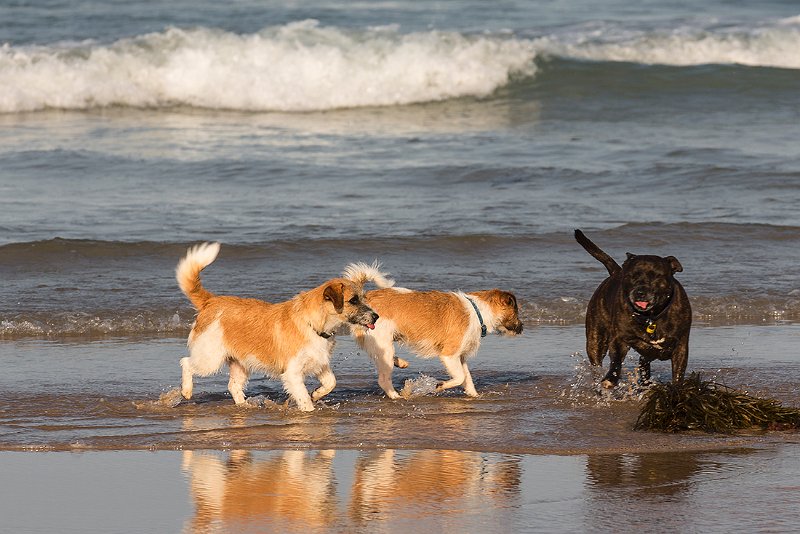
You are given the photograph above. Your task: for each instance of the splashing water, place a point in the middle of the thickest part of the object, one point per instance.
(585, 389)
(418, 387)
(171, 398)
(256, 401)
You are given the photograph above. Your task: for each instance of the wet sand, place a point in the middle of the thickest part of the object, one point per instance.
(540, 450)
(743, 490)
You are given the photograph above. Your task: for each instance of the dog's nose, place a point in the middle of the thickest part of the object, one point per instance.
(642, 294)
(375, 317)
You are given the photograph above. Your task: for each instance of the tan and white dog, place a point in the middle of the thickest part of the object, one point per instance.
(447, 325)
(289, 339)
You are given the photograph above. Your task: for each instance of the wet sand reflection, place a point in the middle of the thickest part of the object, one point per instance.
(381, 490)
(393, 484)
(318, 491)
(291, 491)
(647, 474)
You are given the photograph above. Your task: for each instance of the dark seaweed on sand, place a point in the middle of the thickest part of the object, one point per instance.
(695, 404)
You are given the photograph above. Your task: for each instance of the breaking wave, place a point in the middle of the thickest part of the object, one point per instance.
(296, 67)
(304, 66)
(769, 45)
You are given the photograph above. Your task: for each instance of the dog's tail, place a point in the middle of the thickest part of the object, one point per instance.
(361, 273)
(188, 272)
(612, 266)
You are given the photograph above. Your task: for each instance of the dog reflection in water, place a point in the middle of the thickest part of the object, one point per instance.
(288, 491)
(389, 484)
(296, 491)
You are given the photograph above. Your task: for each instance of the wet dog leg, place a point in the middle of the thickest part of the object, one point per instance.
(327, 381)
(237, 381)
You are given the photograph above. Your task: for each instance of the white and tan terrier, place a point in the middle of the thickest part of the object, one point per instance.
(289, 339)
(447, 325)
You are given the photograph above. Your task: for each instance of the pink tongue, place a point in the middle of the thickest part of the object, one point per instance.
(641, 304)
(371, 326)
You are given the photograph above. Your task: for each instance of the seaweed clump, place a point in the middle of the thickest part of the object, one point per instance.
(695, 404)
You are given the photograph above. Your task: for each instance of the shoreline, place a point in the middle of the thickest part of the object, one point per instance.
(538, 396)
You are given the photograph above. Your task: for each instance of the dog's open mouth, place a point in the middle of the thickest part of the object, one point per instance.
(371, 326)
(641, 304)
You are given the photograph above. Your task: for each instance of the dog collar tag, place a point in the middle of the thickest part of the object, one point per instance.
(651, 327)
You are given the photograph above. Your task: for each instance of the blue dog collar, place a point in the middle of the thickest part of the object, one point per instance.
(480, 317)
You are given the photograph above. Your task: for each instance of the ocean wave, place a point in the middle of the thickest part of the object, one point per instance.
(711, 311)
(59, 324)
(296, 67)
(734, 273)
(768, 45)
(58, 248)
(304, 66)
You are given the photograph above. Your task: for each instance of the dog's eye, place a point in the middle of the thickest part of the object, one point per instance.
(353, 300)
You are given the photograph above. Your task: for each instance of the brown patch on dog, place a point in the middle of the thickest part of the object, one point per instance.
(334, 292)
(505, 306)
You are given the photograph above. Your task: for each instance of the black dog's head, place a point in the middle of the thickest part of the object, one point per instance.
(647, 281)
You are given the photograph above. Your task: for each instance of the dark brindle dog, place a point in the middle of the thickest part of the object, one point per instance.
(639, 306)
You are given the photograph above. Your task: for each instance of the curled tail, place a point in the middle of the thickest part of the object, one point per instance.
(188, 272)
(361, 273)
(612, 266)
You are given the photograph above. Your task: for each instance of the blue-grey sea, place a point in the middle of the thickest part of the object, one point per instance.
(458, 142)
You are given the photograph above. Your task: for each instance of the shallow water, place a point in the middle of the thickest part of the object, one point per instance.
(538, 395)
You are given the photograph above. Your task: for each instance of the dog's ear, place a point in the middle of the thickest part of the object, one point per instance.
(630, 256)
(508, 299)
(503, 298)
(674, 264)
(335, 293)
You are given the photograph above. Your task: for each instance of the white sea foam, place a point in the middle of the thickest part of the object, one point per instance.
(297, 67)
(303, 66)
(776, 45)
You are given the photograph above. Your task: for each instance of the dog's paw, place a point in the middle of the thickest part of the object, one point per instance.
(400, 363)
(317, 394)
(608, 384)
